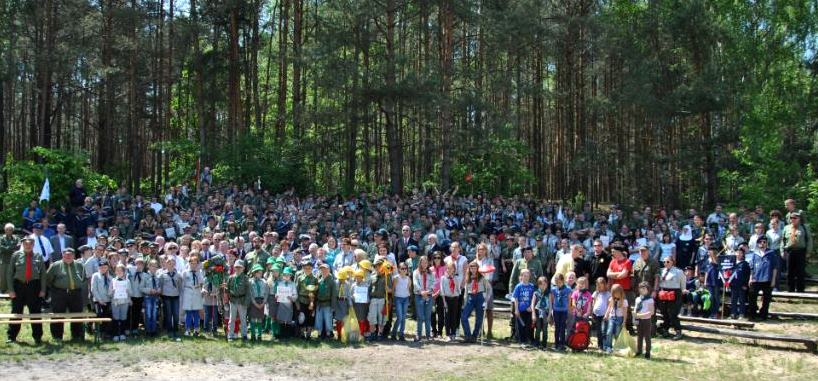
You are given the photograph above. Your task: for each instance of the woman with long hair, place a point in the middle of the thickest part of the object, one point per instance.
(476, 288)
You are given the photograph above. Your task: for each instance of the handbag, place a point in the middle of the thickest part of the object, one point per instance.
(667, 295)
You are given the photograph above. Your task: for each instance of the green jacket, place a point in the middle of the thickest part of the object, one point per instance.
(237, 288)
(327, 294)
(17, 270)
(59, 275)
(303, 280)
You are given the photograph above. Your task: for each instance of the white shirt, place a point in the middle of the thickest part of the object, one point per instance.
(45, 250)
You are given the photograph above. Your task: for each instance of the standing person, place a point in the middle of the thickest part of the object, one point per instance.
(423, 284)
(170, 286)
(617, 311)
(487, 262)
(763, 278)
(438, 269)
(306, 283)
(450, 292)
(522, 296)
(580, 303)
(601, 297)
(326, 298)
(65, 280)
(477, 288)
(671, 283)
(619, 273)
(643, 312)
(100, 296)
(560, 303)
(739, 284)
(795, 245)
(541, 312)
(8, 246)
(286, 295)
(258, 292)
(713, 282)
(192, 298)
(151, 289)
(60, 242)
(120, 293)
(137, 297)
(237, 285)
(402, 282)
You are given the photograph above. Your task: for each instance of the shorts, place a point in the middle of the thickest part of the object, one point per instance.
(376, 317)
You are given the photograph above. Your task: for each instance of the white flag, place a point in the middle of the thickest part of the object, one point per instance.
(46, 193)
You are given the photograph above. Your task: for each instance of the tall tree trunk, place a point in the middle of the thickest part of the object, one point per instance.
(393, 138)
(446, 17)
(234, 97)
(281, 104)
(298, 64)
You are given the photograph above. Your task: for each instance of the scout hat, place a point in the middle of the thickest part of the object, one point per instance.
(239, 263)
(277, 268)
(306, 262)
(257, 267)
(288, 271)
(365, 264)
(343, 275)
(359, 273)
(24, 239)
(271, 261)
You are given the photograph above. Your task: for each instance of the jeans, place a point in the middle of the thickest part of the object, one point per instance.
(560, 318)
(191, 320)
(151, 309)
(738, 300)
(474, 302)
(323, 319)
(715, 300)
(614, 326)
(170, 308)
(423, 308)
(401, 304)
(211, 318)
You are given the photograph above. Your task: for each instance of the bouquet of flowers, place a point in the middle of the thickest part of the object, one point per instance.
(215, 269)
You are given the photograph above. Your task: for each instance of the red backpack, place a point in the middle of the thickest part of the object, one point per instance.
(581, 338)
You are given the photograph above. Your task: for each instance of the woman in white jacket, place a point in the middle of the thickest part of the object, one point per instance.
(192, 299)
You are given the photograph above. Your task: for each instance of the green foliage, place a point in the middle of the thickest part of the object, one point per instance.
(495, 168)
(280, 167)
(63, 168)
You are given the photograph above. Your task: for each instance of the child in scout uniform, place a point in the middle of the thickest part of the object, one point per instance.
(542, 312)
(258, 298)
(150, 289)
(344, 302)
(522, 305)
(273, 279)
(643, 313)
(100, 294)
(237, 294)
(120, 292)
(170, 286)
(286, 295)
(450, 292)
(326, 298)
(210, 303)
(192, 299)
(137, 297)
(360, 299)
(306, 285)
(378, 295)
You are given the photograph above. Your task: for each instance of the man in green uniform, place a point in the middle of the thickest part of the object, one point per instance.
(258, 255)
(65, 279)
(8, 245)
(796, 244)
(26, 284)
(528, 261)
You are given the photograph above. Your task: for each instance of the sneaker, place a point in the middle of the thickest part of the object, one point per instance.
(647, 355)
(392, 338)
(402, 338)
(417, 339)
(187, 333)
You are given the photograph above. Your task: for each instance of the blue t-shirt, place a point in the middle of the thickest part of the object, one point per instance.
(561, 297)
(523, 292)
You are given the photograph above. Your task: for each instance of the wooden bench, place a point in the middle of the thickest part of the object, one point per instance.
(808, 296)
(726, 322)
(810, 342)
(48, 318)
(794, 315)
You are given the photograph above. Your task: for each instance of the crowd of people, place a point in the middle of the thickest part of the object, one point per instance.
(253, 265)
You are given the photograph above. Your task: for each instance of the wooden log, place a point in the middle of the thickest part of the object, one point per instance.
(30, 321)
(795, 315)
(727, 322)
(811, 296)
(66, 315)
(810, 342)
